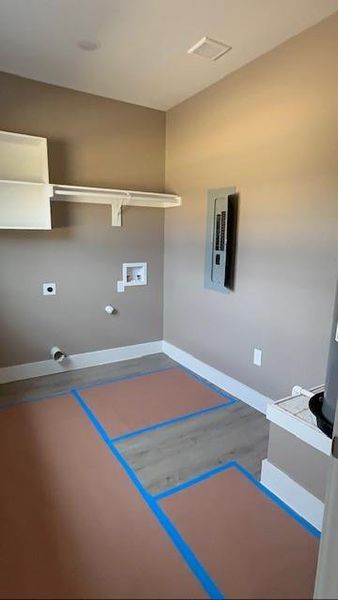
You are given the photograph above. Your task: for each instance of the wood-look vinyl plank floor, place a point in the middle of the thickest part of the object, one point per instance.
(172, 454)
(42, 387)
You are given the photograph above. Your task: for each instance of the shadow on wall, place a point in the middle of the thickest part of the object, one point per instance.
(232, 241)
(58, 160)
(62, 214)
(13, 337)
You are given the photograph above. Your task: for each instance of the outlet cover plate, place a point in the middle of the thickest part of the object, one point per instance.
(257, 360)
(120, 286)
(49, 289)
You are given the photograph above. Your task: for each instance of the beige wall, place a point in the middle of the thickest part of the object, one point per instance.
(91, 141)
(300, 461)
(271, 129)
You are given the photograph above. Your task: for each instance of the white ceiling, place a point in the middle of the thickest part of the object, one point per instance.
(143, 55)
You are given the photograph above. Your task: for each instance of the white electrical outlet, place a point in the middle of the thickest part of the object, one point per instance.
(49, 289)
(257, 357)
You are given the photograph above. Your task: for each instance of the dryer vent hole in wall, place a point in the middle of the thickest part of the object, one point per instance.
(57, 354)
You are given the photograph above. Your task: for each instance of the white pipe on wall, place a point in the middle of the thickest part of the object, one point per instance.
(297, 390)
(57, 354)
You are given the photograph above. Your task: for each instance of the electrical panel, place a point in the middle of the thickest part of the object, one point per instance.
(221, 239)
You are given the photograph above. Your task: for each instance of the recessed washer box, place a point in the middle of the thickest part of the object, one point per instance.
(134, 274)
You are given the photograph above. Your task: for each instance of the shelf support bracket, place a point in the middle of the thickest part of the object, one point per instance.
(116, 210)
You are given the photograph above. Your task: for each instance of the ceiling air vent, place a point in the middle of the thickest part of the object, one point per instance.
(209, 48)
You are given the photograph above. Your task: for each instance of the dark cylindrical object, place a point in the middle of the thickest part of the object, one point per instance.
(323, 405)
(331, 384)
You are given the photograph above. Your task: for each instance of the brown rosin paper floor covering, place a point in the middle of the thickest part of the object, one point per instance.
(131, 404)
(72, 523)
(247, 543)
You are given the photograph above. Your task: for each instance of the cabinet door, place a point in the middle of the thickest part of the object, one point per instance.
(23, 158)
(24, 206)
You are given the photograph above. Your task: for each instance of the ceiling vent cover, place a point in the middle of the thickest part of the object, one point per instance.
(209, 48)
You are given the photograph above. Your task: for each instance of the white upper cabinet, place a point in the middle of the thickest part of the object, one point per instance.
(24, 182)
(26, 194)
(23, 158)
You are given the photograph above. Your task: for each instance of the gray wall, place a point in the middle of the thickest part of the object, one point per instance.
(270, 129)
(92, 141)
(304, 464)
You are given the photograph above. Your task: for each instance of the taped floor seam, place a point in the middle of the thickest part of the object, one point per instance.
(236, 465)
(168, 527)
(173, 421)
(68, 390)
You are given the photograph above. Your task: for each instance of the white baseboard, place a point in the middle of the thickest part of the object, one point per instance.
(226, 383)
(111, 355)
(294, 495)
(78, 361)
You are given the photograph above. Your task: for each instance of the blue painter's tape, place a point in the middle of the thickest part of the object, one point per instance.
(180, 544)
(182, 486)
(93, 419)
(13, 403)
(124, 378)
(198, 413)
(85, 387)
(303, 522)
(235, 465)
(207, 383)
(198, 378)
